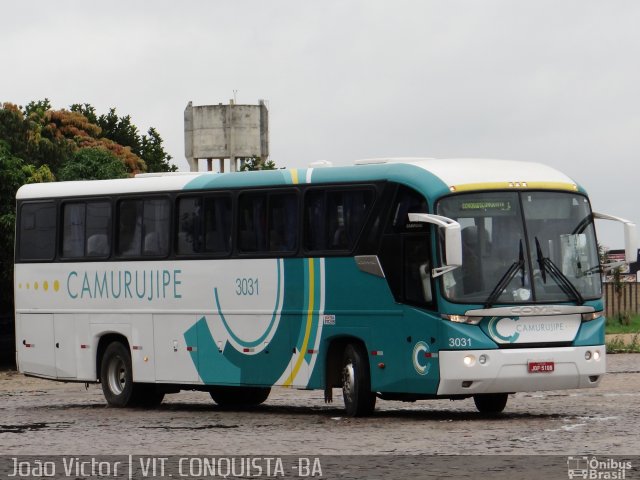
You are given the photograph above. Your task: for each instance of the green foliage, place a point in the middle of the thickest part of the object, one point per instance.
(38, 144)
(13, 174)
(631, 324)
(619, 345)
(87, 110)
(256, 163)
(92, 164)
(120, 130)
(153, 154)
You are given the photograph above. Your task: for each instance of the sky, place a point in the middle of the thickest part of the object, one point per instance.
(551, 81)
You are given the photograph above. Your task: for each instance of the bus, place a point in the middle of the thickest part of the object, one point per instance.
(398, 279)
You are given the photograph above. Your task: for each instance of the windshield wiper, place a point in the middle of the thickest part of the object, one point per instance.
(546, 264)
(506, 278)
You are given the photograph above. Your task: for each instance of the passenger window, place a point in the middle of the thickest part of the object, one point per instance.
(73, 228)
(98, 230)
(334, 219)
(143, 227)
(38, 231)
(268, 222)
(86, 229)
(204, 225)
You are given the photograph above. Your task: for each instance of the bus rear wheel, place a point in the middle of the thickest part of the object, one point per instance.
(116, 377)
(359, 400)
(490, 403)
(239, 396)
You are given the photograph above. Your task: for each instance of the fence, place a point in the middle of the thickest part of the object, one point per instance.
(626, 301)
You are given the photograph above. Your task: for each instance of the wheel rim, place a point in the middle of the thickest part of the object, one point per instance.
(348, 382)
(117, 375)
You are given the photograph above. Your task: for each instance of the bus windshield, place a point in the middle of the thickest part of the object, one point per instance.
(523, 247)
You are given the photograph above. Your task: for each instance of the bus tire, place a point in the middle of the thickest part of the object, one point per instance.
(116, 375)
(230, 397)
(359, 400)
(490, 403)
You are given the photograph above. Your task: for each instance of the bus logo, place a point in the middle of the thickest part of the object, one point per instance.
(420, 362)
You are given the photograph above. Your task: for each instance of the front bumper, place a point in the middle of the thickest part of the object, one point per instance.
(506, 370)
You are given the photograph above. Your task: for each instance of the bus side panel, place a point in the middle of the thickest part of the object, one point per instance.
(66, 344)
(34, 344)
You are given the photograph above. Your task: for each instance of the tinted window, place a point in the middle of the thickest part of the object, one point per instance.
(143, 227)
(86, 229)
(204, 225)
(334, 219)
(268, 222)
(98, 231)
(38, 231)
(73, 225)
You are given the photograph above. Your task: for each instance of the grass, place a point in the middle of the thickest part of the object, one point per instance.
(618, 346)
(614, 325)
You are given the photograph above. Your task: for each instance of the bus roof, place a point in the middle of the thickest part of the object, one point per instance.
(436, 177)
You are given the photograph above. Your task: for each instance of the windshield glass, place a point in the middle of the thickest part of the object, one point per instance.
(555, 261)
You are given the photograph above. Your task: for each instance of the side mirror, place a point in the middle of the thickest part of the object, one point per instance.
(452, 240)
(630, 236)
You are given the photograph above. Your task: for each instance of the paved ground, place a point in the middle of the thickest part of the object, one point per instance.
(41, 417)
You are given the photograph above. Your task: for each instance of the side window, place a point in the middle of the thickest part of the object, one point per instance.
(334, 219)
(408, 201)
(129, 227)
(268, 222)
(283, 222)
(217, 224)
(38, 231)
(405, 251)
(252, 223)
(204, 225)
(143, 227)
(98, 232)
(86, 229)
(155, 226)
(73, 225)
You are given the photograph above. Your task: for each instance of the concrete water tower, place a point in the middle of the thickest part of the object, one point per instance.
(236, 132)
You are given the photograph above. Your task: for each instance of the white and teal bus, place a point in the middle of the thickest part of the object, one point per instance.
(400, 279)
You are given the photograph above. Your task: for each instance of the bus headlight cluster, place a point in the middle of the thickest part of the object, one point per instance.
(595, 355)
(470, 360)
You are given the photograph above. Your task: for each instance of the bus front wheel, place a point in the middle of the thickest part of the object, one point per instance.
(359, 401)
(490, 403)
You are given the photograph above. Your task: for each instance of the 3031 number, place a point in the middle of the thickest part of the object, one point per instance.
(247, 286)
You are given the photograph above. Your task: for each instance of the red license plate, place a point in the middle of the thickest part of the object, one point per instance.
(541, 367)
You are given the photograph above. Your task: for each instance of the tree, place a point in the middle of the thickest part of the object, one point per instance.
(13, 174)
(256, 163)
(153, 153)
(92, 164)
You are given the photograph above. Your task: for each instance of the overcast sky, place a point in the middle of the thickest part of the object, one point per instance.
(553, 81)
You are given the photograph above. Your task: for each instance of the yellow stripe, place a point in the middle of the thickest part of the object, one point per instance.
(307, 332)
(294, 175)
(515, 185)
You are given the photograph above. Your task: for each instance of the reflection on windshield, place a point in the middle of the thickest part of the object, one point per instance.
(493, 228)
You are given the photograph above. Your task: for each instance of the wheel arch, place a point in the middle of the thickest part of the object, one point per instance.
(333, 360)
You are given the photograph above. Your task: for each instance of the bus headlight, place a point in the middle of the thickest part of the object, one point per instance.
(469, 360)
(462, 319)
(596, 355)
